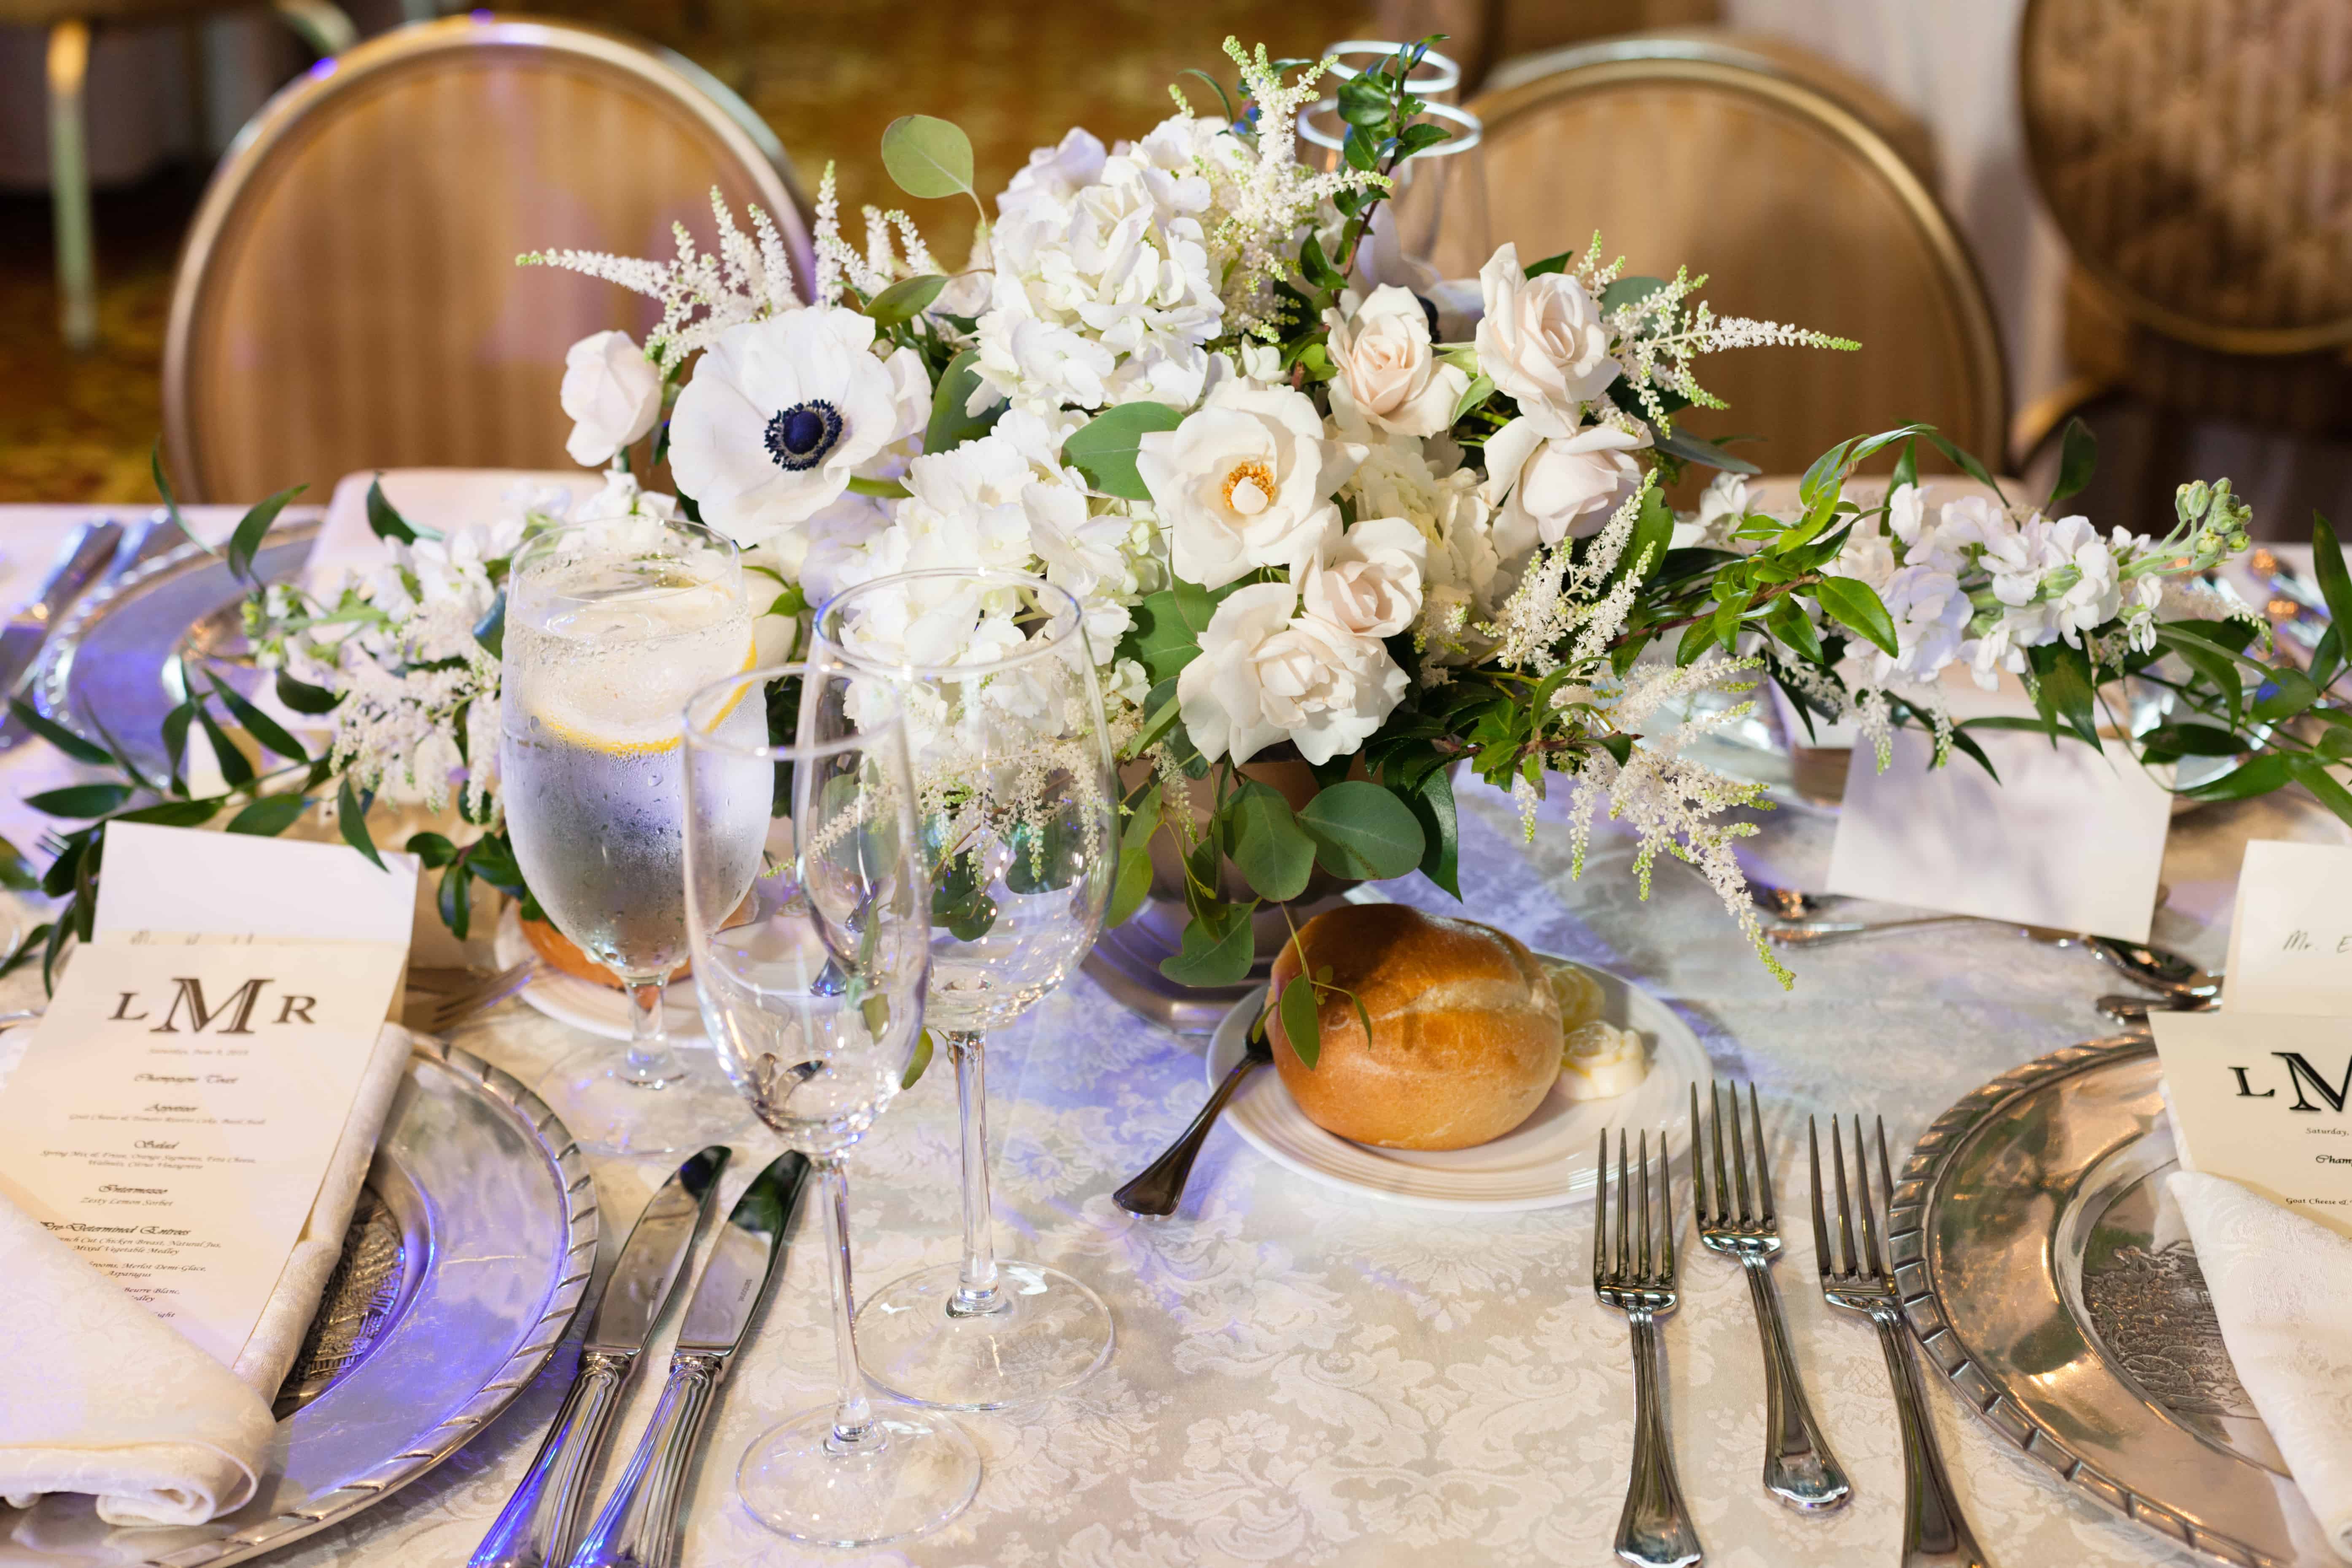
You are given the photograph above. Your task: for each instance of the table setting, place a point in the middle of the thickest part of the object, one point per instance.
(1196, 760)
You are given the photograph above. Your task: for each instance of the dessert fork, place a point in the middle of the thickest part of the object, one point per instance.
(1799, 1467)
(1935, 1533)
(1656, 1530)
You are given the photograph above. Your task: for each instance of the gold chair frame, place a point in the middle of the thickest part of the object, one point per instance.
(289, 117)
(1528, 83)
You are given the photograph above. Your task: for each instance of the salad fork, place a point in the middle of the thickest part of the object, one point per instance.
(1655, 1529)
(1799, 1467)
(1935, 1533)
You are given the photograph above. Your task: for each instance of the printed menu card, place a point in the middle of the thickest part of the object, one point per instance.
(176, 1110)
(2261, 1092)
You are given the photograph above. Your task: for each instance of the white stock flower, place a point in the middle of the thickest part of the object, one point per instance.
(613, 394)
(1721, 506)
(1266, 674)
(1244, 483)
(1550, 481)
(1542, 340)
(1369, 580)
(1386, 374)
(1906, 513)
(2096, 596)
(781, 412)
(1931, 619)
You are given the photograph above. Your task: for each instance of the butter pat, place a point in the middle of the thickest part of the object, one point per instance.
(1601, 1061)
(1580, 999)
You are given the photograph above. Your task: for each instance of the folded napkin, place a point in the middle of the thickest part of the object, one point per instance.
(2279, 1284)
(98, 1395)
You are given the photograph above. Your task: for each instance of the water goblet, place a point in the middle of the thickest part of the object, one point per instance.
(810, 932)
(610, 627)
(1018, 820)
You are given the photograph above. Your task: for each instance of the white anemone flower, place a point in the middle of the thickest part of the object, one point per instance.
(781, 415)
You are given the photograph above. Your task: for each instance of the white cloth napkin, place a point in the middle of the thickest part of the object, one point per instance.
(98, 1395)
(2279, 1284)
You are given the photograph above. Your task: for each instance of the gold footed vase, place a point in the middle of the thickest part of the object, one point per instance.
(1126, 958)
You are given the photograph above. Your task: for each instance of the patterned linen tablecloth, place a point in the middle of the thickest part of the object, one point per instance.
(1304, 1375)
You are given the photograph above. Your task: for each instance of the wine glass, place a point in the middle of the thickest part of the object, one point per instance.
(1019, 821)
(810, 940)
(610, 627)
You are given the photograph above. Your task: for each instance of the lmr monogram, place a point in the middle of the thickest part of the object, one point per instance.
(237, 1007)
(2301, 1076)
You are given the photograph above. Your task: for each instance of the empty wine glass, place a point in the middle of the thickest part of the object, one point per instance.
(610, 627)
(811, 934)
(1018, 810)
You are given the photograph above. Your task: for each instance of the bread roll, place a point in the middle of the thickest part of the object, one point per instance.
(1465, 1028)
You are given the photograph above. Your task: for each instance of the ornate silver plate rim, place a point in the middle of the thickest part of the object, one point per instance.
(577, 1197)
(1929, 1299)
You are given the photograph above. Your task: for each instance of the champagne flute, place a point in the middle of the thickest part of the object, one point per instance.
(1018, 810)
(811, 942)
(610, 627)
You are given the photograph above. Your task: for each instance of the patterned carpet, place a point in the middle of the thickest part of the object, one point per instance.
(828, 78)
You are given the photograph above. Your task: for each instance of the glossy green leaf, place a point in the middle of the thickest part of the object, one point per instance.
(1362, 830)
(1481, 388)
(2314, 775)
(928, 156)
(1680, 443)
(350, 819)
(260, 725)
(2078, 458)
(304, 698)
(1432, 806)
(1855, 604)
(2289, 692)
(384, 518)
(235, 767)
(1630, 291)
(905, 299)
(2063, 690)
(1966, 462)
(920, 1062)
(1302, 1021)
(2257, 776)
(171, 501)
(81, 801)
(2215, 667)
(432, 850)
(57, 736)
(2327, 565)
(951, 425)
(1104, 450)
(246, 541)
(2192, 741)
(270, 816)
(1265, 844)
(1787, 621)
(1130, 885)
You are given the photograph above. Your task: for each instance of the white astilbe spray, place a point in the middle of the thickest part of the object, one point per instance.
(1554, 604)
(1658, 336)
(747, 279)
(1271, 201)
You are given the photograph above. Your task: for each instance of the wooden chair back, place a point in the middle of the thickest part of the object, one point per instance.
(349, 298)
(1695, 150)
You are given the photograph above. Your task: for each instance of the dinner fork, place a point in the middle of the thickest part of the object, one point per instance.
(1655, 1529)
(454, 1010)
(1799, 1467)
(1935, 1533)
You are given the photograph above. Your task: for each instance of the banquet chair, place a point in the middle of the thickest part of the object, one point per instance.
(349, 296)
(1700, 149)
(2197, 161)
(320, 24)
(1479, 34)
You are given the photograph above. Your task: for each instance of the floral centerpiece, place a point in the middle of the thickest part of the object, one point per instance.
(1305, 513)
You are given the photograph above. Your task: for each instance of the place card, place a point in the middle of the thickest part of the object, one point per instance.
(2067, 836)
(2266, 1101)
(2291, 937)
(176, 1110)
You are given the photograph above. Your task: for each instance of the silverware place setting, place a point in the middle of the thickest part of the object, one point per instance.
(1637, 1277)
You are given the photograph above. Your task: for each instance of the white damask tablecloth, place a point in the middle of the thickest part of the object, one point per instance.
(1305, 1376)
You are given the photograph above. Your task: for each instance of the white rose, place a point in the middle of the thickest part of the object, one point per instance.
(1267, 674)
(782, 412)
(1385, 372)
(1244, 483)
(1368, 583)
(1543, 339)
(1721, 507)
(1561, 482)
(613, 395)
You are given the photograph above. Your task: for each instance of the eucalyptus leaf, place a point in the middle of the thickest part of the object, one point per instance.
(905, 299)
(1266, 843)
(1130, 885)
(928, 157)
(1213, 953)
(1160, 639)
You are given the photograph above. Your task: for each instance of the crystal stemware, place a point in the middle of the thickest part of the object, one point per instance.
(1019, 819)
(610, 627)
(809, 909)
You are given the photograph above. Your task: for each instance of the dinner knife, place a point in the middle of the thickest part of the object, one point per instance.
(639, 1527)
(87, 549)
(537, 1527)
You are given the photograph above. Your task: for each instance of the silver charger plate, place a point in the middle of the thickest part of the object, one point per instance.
(114, 653)
(2053, 1283)
(467, 1255)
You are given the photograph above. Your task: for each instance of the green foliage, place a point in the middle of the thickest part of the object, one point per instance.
(950, 425)
(928, 157)
(1104, 450)
(1362, 830)
(1266, 843)
(905, 299)
(384, 520)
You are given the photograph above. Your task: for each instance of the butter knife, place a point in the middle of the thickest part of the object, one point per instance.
(536, 1528)
(87, 549)
(639, 1527)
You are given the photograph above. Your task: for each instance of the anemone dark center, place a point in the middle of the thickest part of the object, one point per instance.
(801, 436)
